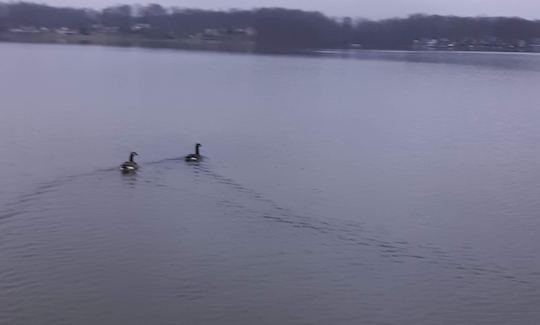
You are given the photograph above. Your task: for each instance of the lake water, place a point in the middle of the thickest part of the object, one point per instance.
(346, 188)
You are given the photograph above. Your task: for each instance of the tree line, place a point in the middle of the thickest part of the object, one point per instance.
(276, 28)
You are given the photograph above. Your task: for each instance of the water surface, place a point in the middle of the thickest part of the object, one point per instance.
(342, 189)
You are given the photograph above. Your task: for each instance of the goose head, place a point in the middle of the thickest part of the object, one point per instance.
(132, 155)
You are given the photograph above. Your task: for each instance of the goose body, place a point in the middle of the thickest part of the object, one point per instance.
(130, 165)
(195, 156)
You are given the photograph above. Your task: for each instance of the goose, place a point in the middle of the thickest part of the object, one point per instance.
(130, 165)
(195, 156)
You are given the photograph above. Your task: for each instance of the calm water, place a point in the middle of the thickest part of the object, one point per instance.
(350, 188)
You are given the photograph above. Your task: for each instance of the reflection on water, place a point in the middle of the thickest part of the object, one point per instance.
(129, 178)
(512, 61)
(380, 191)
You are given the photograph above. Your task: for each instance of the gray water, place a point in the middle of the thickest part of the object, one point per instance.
(349, 188)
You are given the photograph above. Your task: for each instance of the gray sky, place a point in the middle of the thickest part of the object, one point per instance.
(353, 8)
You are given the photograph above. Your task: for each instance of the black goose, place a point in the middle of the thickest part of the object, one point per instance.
(130, 165)
(195, 156)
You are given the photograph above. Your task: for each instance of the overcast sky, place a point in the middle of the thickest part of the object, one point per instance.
(353, 8)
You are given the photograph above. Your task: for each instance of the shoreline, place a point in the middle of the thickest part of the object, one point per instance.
(225, 46)
(112, 40)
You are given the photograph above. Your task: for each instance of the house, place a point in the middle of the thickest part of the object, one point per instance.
(66, 31)
(534, 45)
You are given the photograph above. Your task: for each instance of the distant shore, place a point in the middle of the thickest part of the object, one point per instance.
(261, 30)
(120, 40)
(234, 46)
